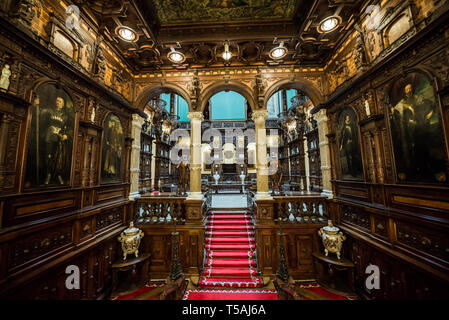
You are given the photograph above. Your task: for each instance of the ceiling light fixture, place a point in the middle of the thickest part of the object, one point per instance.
(278, 52)
(126, 33)
(227, 54)
(176, 56)
(329, 24)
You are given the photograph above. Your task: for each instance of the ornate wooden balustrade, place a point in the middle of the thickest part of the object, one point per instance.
(160, 210)
(303, 209)
(155, 215)
(303, 216)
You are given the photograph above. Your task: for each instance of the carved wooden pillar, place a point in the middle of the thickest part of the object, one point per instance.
(87, 142)
(326, 165)
(195, 155)
(136, 129)
(259, 117)
(4, 127)
(370, 154)
(93, 161)
(380, 172)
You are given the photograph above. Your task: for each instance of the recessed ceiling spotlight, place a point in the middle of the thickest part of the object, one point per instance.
(227, 54)
(329, 24)
(278, 52)
(175, 56)
(126, 33)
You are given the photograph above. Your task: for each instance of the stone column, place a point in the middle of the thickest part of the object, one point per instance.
(259, 117)
(195, 155)
(326, 165)
(136, 130)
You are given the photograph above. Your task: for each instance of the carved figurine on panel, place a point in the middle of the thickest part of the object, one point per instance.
(416, 130)
(349, 147)
(112, 151)
(50, 138)
(6, 74)
(359, 50)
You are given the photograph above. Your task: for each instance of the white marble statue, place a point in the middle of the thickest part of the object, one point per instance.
(4, 80)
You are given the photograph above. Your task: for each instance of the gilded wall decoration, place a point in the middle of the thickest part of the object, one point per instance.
(50, 138)
(416, 131)
(349, 146)
(113, 149)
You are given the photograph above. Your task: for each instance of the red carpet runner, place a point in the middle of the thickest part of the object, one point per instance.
(230, 251)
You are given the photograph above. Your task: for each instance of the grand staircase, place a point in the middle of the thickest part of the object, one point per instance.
(230, 256)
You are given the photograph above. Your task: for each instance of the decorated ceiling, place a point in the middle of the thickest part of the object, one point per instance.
(197, 11)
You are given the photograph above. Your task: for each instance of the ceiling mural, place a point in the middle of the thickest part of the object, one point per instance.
(191, 11)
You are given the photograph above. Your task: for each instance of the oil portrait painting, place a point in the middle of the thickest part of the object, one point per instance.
(50, 138)
(349, 146)
(416, 131)
(112, 151)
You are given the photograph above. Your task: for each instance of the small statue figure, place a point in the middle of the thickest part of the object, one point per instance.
(359, 51)
(367, 108)
(4, 80)
(183, 178)
(276, 178)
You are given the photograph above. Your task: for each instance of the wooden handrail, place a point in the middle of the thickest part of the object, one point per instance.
(160, 210)
(301, 209)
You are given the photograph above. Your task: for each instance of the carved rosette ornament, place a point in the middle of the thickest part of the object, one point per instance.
(332, 239)
(130, 240)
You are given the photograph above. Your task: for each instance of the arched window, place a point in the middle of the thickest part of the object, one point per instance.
(276, 102)
(176, 105)
(227, 105)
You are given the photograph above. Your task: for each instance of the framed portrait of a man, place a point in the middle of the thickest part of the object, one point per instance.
(112, 150)
(349, 146)
(50, 138)
(416, 131)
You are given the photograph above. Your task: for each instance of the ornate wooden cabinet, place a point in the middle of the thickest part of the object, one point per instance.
(146, 155)
(391, 186)
(314, 159)
(297, 161)
(162, 161)
(65, 150)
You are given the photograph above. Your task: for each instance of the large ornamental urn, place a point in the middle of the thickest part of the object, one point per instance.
(130, 240)
(332, 239)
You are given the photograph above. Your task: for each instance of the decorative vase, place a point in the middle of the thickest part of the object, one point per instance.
(332, 239)
(216, 177)
(130, 240)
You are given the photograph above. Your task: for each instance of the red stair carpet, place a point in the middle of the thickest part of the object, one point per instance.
(230, 252)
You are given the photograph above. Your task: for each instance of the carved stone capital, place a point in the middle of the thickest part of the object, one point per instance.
(196, 115)
(138, 121)
(320, 116)
(260, 115)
